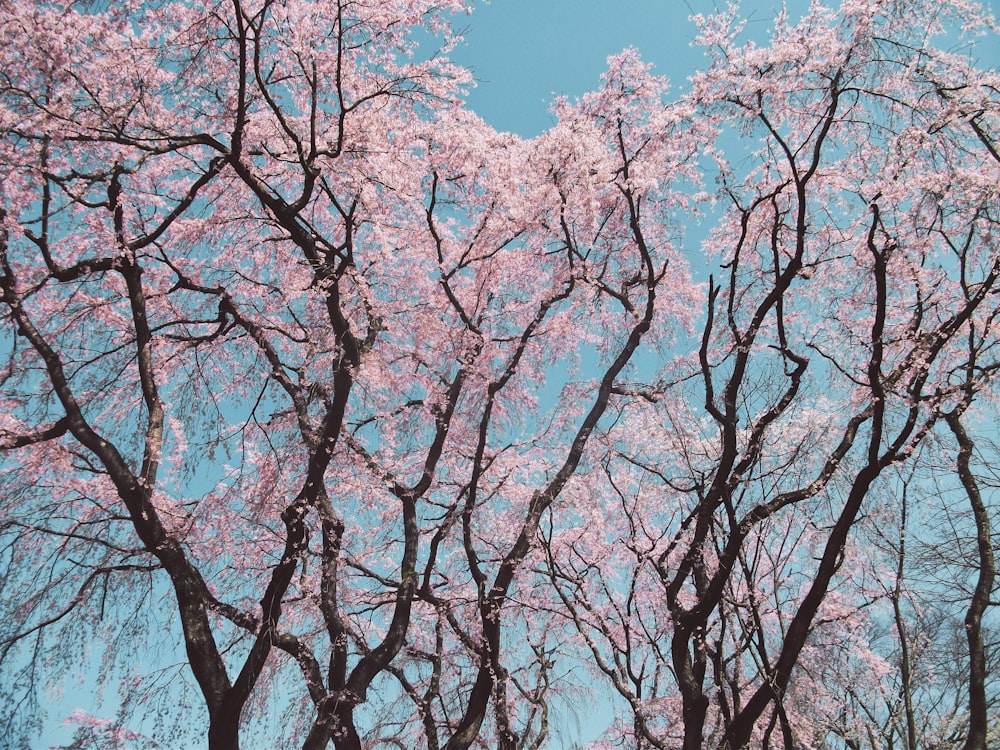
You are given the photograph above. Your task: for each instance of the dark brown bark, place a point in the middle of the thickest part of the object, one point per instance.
(978, 707)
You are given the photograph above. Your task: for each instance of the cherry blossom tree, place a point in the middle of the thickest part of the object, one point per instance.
(332, 416)
(742, 480)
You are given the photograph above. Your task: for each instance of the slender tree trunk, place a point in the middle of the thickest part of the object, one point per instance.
(978, 718)
(690, 680)
(904, 642)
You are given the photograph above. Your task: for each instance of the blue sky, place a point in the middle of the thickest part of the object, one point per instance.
(524, 51)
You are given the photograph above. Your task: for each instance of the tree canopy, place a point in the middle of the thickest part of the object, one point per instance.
(332, 417)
